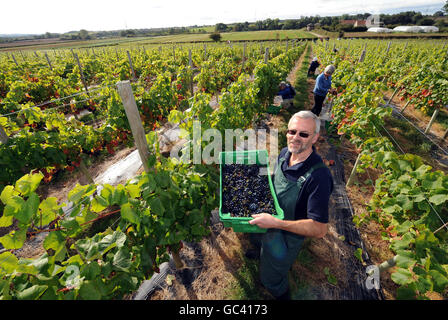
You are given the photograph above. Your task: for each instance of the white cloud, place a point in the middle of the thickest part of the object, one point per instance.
(39, 16)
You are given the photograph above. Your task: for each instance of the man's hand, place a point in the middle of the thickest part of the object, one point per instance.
(303, 227)
(264, 220)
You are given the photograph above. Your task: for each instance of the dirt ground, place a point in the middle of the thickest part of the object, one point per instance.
(213, 266)
(61, 187)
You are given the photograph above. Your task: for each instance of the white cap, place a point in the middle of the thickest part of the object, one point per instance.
(315, 59)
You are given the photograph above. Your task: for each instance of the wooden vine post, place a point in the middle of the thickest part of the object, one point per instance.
(385, 265)
(405, 106)
(14, 58)
(3, 136)
(48, 60)
(133, 115)
(388, 47)
(21, 53)
(138, 132)
(433, 118)
(190, 62)
(266, 55)
(362, 57)
(445, 135)
(363, 54)
(82, 74)
(393, 95)
(86, 172)
(244, 54)
(130, 64)
(353, 173)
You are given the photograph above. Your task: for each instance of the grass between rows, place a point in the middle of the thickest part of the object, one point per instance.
(248, 284)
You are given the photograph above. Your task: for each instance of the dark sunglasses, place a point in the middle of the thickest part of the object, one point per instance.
(302, 134)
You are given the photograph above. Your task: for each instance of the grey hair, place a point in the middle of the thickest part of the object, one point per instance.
(306, 114)
(330, 69)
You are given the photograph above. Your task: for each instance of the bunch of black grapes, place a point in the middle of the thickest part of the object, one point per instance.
(245, 191)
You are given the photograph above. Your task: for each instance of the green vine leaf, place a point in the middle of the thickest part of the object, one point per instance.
(6, 194)
(49, 209)
(331, 279)
(8, 262)
(122, 259)
(32, 293)
(438, 199)
(358, 255)
(128, 213)
(88, 291)
(14, 239)
(29, 209)
(28, 183)
(402, 276)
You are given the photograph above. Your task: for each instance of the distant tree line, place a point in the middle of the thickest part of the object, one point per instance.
(88, 35)
(334, 23)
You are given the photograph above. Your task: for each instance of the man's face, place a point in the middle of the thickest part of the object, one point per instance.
(297, 143)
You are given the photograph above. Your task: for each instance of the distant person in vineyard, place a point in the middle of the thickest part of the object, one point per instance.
(313, 66)
(321, 88)
(287, 92)
(303, 185)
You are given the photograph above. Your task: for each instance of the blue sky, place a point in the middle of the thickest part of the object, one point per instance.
(40, 16)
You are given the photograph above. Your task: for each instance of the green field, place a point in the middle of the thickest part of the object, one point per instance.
(266, 35)
(140, 41)
(58, 44)
(233, 36)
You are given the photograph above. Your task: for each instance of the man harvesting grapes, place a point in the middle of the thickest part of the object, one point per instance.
(287, 92)
(313, 66)
(303, 185)
(321, 88)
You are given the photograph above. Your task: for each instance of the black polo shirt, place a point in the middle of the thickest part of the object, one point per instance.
(313, 199)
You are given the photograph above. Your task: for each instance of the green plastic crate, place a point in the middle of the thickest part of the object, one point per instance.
(261, 158)
(273, 109)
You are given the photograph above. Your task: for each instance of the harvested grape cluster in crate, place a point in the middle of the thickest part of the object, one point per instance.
(246, 191)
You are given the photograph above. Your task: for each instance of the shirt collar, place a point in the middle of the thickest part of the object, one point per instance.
(297, 166)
